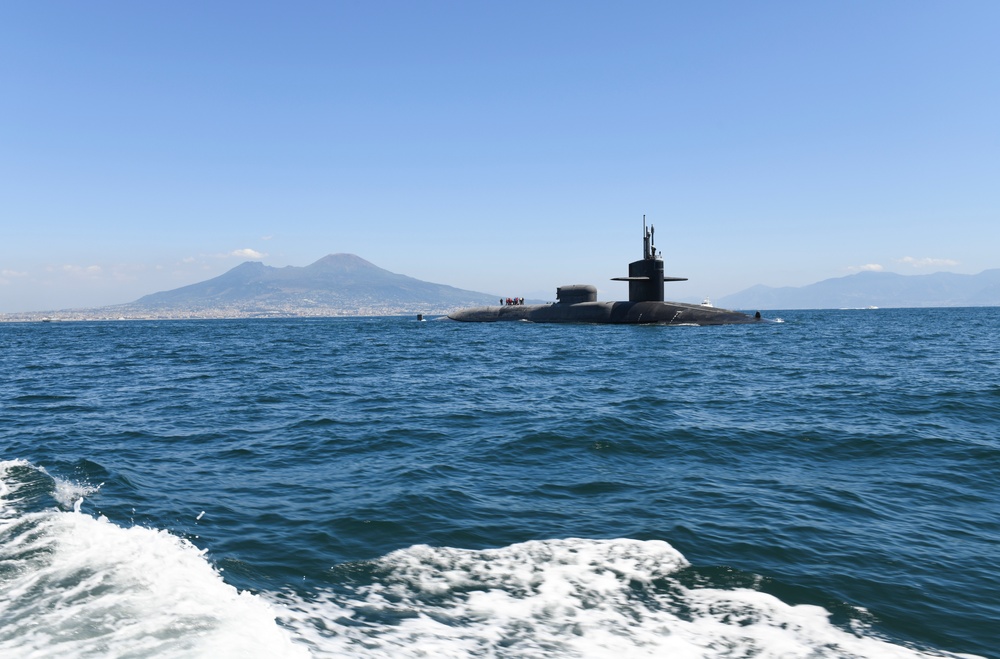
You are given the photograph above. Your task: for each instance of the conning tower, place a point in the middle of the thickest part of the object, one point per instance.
(645, 278)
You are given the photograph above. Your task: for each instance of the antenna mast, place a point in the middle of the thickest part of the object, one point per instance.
(648, 249)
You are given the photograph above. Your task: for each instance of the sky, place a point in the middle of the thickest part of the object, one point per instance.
(502, 147)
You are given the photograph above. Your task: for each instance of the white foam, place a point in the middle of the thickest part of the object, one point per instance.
(75, 586)
(70, 494)
(67, 494)
(565, 598)
(8, 490)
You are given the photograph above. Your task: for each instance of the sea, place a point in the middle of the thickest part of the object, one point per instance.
(825, 485)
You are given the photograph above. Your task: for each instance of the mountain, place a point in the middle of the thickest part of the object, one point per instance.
(879, 289)
(337, 284)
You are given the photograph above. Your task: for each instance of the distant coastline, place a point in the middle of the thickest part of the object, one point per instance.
(345, 285)
(118, 313)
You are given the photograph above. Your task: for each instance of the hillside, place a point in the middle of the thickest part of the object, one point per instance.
(880, 289)
(338, 284)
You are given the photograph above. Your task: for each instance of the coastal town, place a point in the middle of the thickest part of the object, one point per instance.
(128, 312)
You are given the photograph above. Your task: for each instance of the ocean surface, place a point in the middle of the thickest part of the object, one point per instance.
(825, 486)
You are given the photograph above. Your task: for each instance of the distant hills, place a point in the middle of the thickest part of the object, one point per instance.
(337, 284)
(348, 285)
(879, 289)
(345, 284)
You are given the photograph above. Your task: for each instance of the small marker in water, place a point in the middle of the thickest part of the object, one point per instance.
(200, 515)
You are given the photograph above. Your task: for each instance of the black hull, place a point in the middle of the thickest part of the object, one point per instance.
(608, 313)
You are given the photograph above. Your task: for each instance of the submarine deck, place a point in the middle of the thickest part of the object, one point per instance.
(616, 313)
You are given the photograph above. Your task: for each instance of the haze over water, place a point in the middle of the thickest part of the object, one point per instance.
(822, 487)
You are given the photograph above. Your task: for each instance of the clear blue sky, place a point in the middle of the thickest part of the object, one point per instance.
(504, 147)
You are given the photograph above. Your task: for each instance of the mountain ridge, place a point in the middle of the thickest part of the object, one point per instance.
(341, 284)
(337, 283)
(879, 289)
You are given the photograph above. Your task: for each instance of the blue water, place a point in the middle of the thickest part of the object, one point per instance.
(828, 486)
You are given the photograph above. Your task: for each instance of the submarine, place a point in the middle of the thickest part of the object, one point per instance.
(645, 306)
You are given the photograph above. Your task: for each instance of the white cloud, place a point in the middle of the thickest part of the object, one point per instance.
(928, 262)
(82, 270)
(7, 275)
(247, 253)
(868, 267)
(130, 272)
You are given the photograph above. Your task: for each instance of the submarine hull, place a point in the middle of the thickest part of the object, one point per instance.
(614, 313)
(577, 303)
